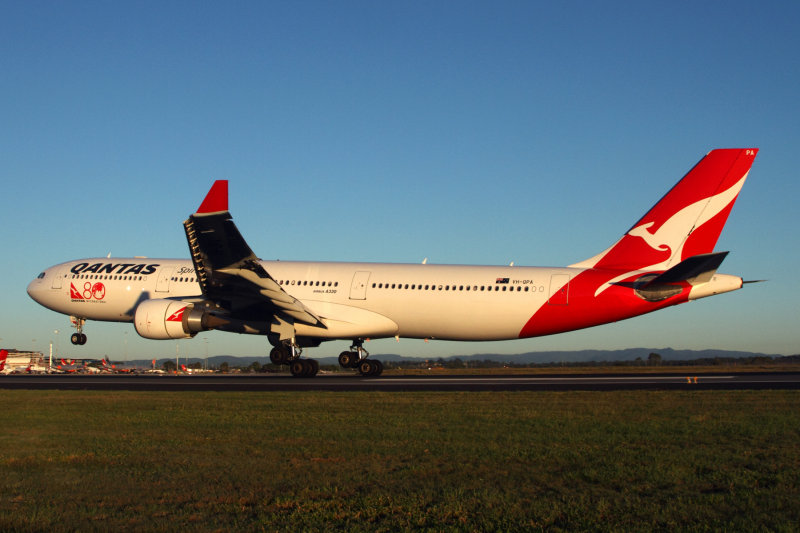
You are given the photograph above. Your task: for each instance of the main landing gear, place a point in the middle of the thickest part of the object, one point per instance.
(289, 354)
(357, 358)
(78, 338)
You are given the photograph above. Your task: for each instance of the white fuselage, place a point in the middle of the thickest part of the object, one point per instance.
(354, 299)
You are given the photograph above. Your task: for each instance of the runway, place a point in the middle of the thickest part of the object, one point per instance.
(396, 383)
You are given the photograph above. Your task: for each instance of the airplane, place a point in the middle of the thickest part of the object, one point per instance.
(33, 366)
(186, 370)
(666, 258)
(71, 366)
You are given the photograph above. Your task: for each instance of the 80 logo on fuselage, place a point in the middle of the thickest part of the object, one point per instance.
(91, 291)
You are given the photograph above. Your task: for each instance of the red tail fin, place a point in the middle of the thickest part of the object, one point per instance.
(687, 221)
(3, 357)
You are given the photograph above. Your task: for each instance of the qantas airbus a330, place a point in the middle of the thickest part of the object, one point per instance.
(666, 258)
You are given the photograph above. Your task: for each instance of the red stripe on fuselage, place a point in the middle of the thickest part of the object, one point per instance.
(583, 309)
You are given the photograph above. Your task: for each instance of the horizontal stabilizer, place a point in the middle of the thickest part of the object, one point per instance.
(695, 270)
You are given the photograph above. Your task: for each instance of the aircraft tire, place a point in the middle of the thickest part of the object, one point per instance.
(314, 367)
(275, 356)
(298, 368)
(366, 367)
(346, 359)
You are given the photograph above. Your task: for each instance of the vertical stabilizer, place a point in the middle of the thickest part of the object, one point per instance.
(687, 221)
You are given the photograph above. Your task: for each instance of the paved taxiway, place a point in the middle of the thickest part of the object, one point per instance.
(351, 382)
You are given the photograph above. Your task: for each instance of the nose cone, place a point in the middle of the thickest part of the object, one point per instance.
(41, 290)
(34, 285)
(36, 288)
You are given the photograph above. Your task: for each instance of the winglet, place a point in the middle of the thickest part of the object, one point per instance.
(216, 200)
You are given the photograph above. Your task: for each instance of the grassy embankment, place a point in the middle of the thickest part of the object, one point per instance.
(379, 461)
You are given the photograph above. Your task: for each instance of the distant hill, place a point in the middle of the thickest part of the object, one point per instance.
(588, 356)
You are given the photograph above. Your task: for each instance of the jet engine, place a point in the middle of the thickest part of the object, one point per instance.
(168, 319)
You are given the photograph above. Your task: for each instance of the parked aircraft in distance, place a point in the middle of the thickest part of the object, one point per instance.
(21, 363)
(666, 258)
(92, 366)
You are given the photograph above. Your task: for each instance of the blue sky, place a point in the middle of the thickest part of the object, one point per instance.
(478, 133)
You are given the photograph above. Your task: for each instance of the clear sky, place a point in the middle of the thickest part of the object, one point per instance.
(464, 132)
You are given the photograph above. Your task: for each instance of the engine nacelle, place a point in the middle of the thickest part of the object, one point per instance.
(166, 319)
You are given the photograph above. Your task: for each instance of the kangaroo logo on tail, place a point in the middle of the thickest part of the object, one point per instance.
(687, 221)
(673, 233)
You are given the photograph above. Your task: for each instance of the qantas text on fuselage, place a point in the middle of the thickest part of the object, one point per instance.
(666, 258)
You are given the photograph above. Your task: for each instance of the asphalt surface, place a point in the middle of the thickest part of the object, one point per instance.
(395, 383)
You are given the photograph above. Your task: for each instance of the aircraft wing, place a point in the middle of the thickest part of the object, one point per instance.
(228, 271)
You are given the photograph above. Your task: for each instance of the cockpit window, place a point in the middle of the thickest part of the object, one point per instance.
(41, 276)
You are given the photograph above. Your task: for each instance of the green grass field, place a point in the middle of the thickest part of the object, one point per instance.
(617, 461)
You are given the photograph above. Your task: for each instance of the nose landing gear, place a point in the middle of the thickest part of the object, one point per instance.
(78, 338)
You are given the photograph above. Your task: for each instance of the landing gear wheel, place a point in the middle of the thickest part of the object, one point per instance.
(347, 359)
(370, 367)
(365, 368)
(277, 355)
(304, 368)
(297, 368)
(78, 338)
(314, 367)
